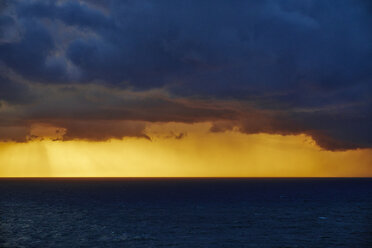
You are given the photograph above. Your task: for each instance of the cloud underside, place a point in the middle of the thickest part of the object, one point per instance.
(101, 70)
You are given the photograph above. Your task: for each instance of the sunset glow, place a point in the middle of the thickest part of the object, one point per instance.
(199, 153)
(185, 89)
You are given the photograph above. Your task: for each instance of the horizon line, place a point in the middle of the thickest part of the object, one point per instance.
(105, 177)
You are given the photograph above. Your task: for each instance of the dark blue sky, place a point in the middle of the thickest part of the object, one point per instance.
(284, 66)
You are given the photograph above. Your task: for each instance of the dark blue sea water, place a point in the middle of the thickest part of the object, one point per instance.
(186, 213)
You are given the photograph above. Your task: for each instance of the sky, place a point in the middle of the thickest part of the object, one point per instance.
(259, 88)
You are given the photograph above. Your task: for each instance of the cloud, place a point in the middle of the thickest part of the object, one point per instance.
(284, 67)
(13, 92)
(103, 130)
(93, 112)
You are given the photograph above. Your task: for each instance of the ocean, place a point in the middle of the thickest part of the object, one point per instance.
(181, 212)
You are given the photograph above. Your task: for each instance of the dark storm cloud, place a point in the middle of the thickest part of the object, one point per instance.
(97, 130)
(14, 93)
(97, 113)
(287, 66)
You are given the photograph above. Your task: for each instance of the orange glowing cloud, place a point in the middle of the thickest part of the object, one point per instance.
(183, 150)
